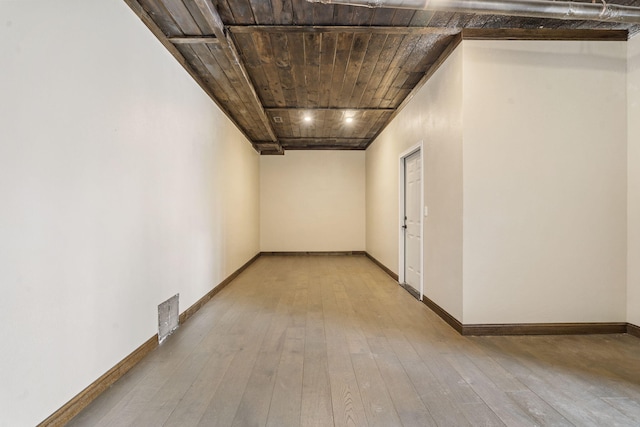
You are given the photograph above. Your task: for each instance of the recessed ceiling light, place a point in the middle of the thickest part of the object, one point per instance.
(307, 118)
(348, 119)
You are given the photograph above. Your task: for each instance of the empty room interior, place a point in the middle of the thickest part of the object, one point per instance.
(285, 212)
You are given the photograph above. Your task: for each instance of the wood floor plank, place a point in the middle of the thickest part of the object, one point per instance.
(316, 409)
(379, 408)
(165, 400)
(629, 407)
(224, 404)
(436, 398)
(112, 397)
(576, 379)
(348, 409)
(504, 407)
(556, 388)
(334, 341)
(196, 400)
(286, 400)
(540, 410)
(406, 400)
(254, 406)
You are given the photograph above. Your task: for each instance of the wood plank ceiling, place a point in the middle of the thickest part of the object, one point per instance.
(297, 75)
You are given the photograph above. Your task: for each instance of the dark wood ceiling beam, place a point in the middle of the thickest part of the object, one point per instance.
(268, 148)
(325, 147)
(311, 110)
(307, 140)
(240, 29)
(210, 14)
(194, 39)
(212, 17)
(325, 143)
(543, 34)
(468, 33)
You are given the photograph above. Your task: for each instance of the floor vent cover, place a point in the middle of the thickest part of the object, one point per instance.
(168, 317)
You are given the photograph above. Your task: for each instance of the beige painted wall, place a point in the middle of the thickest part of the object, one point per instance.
(121, 185)
(433, 116)
(544, 181)
(528, 141)
(633, 191)
(312, 201)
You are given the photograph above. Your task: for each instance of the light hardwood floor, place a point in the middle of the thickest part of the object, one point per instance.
(333, 341)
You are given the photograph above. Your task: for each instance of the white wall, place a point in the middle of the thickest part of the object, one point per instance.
(312, 201)
(121, 185)
(633, 190)
(544, 181)
(433, 116)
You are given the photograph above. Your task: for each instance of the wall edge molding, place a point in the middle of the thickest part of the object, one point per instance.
(80, 401)
(578, 328)
(584, 328)
(444, 315)
(91, 392)
(185, 315)
(383, 267)
(313, 253)
(633, 330)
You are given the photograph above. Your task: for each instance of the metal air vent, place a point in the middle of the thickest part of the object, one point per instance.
(168, 317)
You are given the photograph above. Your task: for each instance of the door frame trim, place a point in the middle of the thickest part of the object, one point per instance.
(419, 147)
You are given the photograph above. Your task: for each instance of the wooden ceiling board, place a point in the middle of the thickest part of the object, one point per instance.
(262, 12)
(460, 20)
(223, 10)
(282, 11)
(309, 70)
(199, 18)
(359, 48)
(296, 67)
(344, 43)
(180, 14)
(323, 14)
(253, 64)
(302, 13)
(382, 17)
(241, 11)
(402, 17)
(261, 43)
(388, 51)
(409, 72)
(370, 59)
(261, 59)
(362, 16)
(161, 17)
(421, 18)
(282, 59)
(402, 55)
(440, 19)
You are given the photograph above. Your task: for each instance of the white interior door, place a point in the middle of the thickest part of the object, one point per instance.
(412, 221)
